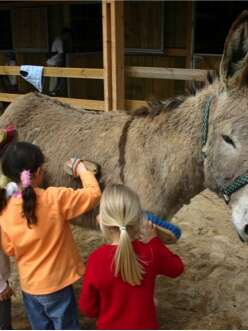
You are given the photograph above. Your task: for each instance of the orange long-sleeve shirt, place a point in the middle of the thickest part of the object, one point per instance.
(46, 255)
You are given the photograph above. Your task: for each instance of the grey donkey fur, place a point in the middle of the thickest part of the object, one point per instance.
(157, 150)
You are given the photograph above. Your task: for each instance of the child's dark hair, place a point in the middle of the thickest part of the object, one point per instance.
(21, 156)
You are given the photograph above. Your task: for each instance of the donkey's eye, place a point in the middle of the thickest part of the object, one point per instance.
(228, 140)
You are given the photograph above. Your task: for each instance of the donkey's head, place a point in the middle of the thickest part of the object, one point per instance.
(226, 150)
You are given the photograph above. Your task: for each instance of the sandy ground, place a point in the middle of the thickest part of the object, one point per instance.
(212, 293)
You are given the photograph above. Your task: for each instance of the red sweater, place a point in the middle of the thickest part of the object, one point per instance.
(115, 303)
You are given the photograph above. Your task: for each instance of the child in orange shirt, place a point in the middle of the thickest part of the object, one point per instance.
(35, 229)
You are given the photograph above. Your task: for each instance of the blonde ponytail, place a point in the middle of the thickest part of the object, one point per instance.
(120, 211)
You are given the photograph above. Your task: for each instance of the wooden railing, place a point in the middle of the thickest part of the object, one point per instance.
(98, 73)
(167, 73)
(89, 73)
(86, 73)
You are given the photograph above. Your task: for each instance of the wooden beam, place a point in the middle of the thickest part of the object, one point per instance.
(189, 34)
(88, 73)
(118, 52)
(175, 52)
(135, 104)
(34, 3)
(107, 61)
(166, 73)
(81, 103)
(66, 15)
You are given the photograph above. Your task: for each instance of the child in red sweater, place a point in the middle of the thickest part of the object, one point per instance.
(118, 286)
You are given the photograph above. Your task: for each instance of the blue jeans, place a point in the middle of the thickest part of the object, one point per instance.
(55, 311)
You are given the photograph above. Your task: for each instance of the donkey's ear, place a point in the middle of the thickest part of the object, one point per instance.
(234, 62)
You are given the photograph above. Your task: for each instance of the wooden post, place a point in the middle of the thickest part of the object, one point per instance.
(189, 40)
(118, 67)
(66, 15)
(107, 61)
(189, 36)
(113, 54)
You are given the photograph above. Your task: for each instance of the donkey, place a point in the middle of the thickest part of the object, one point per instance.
(167, 152)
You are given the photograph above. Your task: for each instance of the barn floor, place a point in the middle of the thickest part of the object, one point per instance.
(212, 294)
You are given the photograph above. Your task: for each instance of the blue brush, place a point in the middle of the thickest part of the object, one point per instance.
(170, 233)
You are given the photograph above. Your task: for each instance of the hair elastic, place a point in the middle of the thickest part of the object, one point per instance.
(123, 228)
(25, 178)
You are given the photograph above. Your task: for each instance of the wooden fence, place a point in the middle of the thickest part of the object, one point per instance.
(114, 71)
(92, 73)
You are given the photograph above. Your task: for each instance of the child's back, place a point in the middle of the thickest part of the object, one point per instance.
(46, 254)
(35, 229)
(117, 304)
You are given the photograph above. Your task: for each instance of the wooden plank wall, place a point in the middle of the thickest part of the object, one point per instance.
(149, 36)
(175, 23)
(30, 39)
(85, 88)
(30, 28)
(49, 20)
(143, 89)
(142, 22)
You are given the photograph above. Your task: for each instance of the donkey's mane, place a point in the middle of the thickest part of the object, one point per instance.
(155, 107)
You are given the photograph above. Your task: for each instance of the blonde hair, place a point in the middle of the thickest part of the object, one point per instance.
(120, 211)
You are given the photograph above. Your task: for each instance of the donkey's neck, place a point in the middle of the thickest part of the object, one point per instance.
(180, 148)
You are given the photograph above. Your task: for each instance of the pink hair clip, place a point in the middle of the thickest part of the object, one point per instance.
(25, 178)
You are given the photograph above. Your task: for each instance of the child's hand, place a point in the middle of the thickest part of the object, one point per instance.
(80, 168)
(148, 231)
(76, 167)
(6, 294)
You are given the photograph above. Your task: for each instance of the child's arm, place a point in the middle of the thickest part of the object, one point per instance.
(73, 203)
(89, 296)
(147, 231)
(167, 263)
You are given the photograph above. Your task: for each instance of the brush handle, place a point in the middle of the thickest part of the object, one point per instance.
(164, 224)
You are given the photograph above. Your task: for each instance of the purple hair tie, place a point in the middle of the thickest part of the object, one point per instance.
(25, 178)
